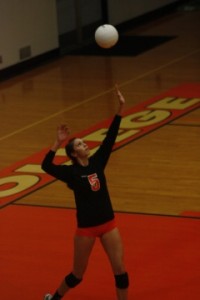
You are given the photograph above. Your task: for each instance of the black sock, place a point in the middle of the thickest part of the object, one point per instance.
(56, 296)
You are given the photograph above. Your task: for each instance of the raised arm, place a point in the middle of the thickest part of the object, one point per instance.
(62, 135)
(58, 171)
(121, 100)
(104, 151)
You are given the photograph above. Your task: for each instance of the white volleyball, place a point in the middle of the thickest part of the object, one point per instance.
(106, 36)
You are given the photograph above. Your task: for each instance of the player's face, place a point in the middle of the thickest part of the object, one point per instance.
(81, 149)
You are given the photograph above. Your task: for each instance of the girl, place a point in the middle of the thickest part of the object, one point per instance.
(95, 216)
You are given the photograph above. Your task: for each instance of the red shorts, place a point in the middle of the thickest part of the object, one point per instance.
(96, 231)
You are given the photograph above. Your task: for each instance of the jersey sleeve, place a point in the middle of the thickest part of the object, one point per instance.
(105, 149)
(58, 171)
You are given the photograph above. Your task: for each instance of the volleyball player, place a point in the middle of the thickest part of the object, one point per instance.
(95, 215)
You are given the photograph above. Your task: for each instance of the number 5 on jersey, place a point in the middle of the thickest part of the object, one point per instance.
(94, 182)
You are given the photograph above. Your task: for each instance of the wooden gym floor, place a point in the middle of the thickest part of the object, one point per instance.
(156, 174)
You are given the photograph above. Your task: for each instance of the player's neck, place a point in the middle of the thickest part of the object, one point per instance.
(84, 162)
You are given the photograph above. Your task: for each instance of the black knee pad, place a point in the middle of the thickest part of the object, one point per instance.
(122, 281)
(72, 280)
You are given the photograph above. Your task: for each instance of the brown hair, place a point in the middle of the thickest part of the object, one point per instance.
(69, 148)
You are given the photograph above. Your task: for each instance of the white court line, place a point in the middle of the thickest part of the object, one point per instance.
(98, 95)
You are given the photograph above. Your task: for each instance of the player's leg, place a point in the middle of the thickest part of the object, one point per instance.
(113, 246)
(83, 246)
(82, 249)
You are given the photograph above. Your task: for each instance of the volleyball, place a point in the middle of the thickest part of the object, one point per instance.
(106, 36)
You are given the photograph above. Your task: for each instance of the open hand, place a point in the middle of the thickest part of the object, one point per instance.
(119, 94)
(62, 133)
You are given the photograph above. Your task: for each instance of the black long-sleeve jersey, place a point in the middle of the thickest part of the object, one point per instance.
(88, 182)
